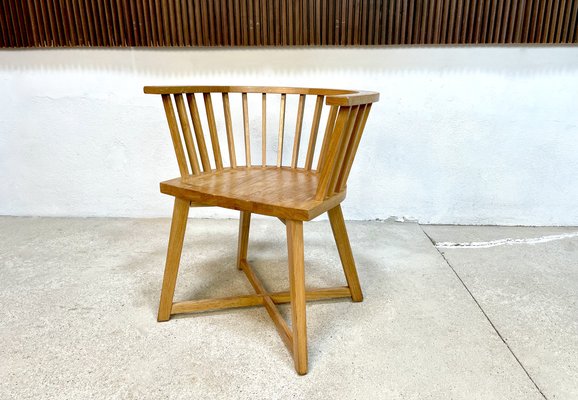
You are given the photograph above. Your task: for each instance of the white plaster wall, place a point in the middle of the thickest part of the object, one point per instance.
(476, 135)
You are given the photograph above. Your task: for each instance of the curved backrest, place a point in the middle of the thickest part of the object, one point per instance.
(348, 112)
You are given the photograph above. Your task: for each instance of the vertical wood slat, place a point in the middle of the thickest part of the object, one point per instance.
(185, 23)
(314, 132)
(264, 129)
(159, 22)
(330, 152)
(187, 135)
(196, 119)
(562, 21)
(352, 147)
(8, 31)
(247, 132)
(327, 136)
(5, 39)
(340, 154)
(175, 135)
(62, 23)
(281, 130)
(573, 28)
(298, 128)
(213, 131)
(229, 128)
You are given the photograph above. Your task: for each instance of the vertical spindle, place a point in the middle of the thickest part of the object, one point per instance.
(352, 147)
(213, 130)
(247, 132)
(187, 135)
(281, 130)
(194, 110)
(328, 130)
(229, 128)
(314, 132)
(175, 135)
(264, 129)
(298, 128)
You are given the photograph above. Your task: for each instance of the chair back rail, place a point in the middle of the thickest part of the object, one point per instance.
(345, 122)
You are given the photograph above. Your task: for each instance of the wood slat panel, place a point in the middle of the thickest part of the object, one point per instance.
(175, 135)
(187, 135)
(352, 146)
(354, 117)
(153, 23)
(196, 119)
(330, 149)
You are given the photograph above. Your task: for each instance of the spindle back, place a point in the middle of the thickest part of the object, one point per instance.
(348, 112)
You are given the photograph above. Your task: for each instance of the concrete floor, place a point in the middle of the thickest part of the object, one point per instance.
(488, 320)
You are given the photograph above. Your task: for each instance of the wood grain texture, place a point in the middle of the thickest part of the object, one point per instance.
(148, 23)
(279, 192)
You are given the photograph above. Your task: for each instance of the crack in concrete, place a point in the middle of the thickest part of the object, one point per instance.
(502, 242)
(484, 312)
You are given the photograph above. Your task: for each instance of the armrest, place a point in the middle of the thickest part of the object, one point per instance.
(352, 99)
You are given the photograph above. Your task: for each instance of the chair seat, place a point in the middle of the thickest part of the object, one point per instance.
(276, 191)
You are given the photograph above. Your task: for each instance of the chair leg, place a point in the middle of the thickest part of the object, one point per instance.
(297, 293)
(178, 226)
(244, 224)
(344, 249)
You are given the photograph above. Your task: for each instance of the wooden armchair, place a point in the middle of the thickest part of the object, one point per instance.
(293, 193)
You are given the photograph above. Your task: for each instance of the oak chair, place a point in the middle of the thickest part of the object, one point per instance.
(294, 193)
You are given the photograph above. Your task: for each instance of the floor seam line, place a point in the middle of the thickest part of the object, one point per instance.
(484, 313)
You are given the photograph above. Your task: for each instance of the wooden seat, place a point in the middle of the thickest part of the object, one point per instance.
(294, 193)
(278, 192)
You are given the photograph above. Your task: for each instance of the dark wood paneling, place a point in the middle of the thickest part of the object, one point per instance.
(153, 23)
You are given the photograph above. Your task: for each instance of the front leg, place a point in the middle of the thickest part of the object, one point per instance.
(178, 227)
